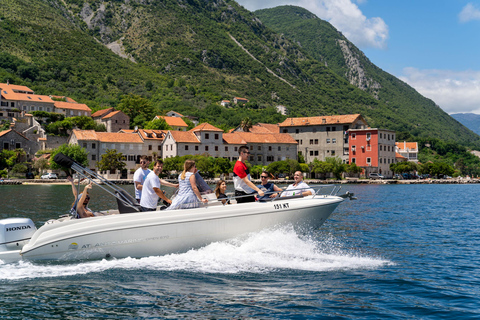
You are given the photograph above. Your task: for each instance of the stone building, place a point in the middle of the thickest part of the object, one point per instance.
(324, 136)
(11, 140)
(113, 120)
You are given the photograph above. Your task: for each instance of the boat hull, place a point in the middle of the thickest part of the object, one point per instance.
(164, 232)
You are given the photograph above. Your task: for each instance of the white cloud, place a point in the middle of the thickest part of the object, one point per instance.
(469, 13)
(453, 91)
(344, 15)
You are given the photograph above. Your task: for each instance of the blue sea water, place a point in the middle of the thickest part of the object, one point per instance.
(399, 251)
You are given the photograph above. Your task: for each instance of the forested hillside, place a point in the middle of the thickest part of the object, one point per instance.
(188, 55)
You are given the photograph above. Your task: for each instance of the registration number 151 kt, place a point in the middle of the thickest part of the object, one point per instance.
(280, 206)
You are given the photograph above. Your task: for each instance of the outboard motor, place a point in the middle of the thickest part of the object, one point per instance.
(15, 233)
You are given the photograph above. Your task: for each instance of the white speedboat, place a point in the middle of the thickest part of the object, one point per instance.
(119, 234)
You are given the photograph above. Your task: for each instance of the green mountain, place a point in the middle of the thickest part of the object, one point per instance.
(319, 39)
(188, 55)
(469, 120)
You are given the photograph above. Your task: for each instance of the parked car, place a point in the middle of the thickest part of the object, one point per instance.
(49, 175)
(376, 176)
(29, 175)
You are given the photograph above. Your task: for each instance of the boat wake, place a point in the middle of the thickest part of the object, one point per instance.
(261, 252)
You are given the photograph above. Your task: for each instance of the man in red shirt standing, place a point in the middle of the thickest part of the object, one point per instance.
(241, 178)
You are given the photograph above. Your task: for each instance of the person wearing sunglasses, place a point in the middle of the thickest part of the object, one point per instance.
(244, 187)
(268, 188)
(139, 177)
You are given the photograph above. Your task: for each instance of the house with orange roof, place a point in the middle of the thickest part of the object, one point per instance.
(372, 149)
(15, 99)
(176, 123)
(409, 150)
(323, 136)
(152, 139)
(98, 143)
(113, 120)
(11, 139)
(225, 103)
(72, 109)
(206, 139)
(241, 101)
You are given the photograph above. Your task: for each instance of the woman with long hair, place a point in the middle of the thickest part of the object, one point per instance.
(188, 195)
(220, 190)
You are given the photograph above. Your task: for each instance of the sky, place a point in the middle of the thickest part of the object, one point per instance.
(433, 45)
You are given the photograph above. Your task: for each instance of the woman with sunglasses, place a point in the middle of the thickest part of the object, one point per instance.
(188, 195)
(80, 206)
(267, 187)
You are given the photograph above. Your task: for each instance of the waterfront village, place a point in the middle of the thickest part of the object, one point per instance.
(346, 137)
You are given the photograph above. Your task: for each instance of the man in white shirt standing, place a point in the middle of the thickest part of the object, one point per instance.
(299, 187)
(139, 177)
(151, 189)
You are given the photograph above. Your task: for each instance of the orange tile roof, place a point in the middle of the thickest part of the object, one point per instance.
(265, 128)
(9, 94)
(4, 132)
(111, 114)
(398, 155)
(107, 136)
(407, 145)
(205, 127)
(15, 87)
(174, 121)
(250, 137)
(72, 106)
(102, 112)
(155, 134)
(184, 136)
(311, 121)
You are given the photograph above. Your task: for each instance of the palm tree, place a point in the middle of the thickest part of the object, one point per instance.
(246, 124)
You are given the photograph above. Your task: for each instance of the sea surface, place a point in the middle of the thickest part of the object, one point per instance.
(398, 252)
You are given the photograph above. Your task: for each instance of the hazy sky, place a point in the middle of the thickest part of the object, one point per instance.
(433, 45)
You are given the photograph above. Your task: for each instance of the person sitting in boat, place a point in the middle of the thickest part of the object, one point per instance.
(151, 191)
(220, 190)
(268, 188)
(188, 195)
(139, 177)
(244, 188)
(80, 205)
(299, 187)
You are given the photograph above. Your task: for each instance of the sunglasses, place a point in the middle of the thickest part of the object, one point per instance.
(247, 152)
(263, 177)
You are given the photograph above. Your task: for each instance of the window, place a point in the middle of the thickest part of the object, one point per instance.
(122, 146)
(216, 148)
(270, 158)
(334, 140)
(328, 140)
(328, 129)
(251, 158)
(285, 130)
(149, 147)
(333, 153)
(216, 136)
(369, 160)
(369, 136)
(226, 148)
(311, 141)
(235, 149)
(85, 145)
(334, 128)
(94, 157)
(381, 136)
(316, 152)
(301, 141)
(259, 158)
(18, 145)
(380, 160)
(207, 136)
(259, 148)
(196, 148)
(104, 146)
(186, 148)
(354, 136)
(279, 148)
(316, 141)
(93, 146)
(353, 160)
(311, 153)
(296, 130)
(353, 148)
(159, 148)
(269, 148)
(206, 148)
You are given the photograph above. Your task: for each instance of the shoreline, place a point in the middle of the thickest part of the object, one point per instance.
(257, 181)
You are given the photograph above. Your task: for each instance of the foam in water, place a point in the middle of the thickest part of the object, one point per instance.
(260, 252)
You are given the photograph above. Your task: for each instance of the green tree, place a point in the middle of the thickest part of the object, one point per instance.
(111, 160)
(157, 124)
(77, 153)
(352, 169)
(322, 167)
(140, 110)
(41, 164)
(257, 170)
(222, 165)
(337, 166)
(246, 124)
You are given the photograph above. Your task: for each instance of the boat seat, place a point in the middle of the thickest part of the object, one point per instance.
(122, 208)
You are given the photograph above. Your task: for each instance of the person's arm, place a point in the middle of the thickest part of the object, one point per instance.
(193, 183)
(254, 187)
(169, 184)
(275, 188)
(74, 189)
(138, 185)
(305, 192)
(161, 195)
